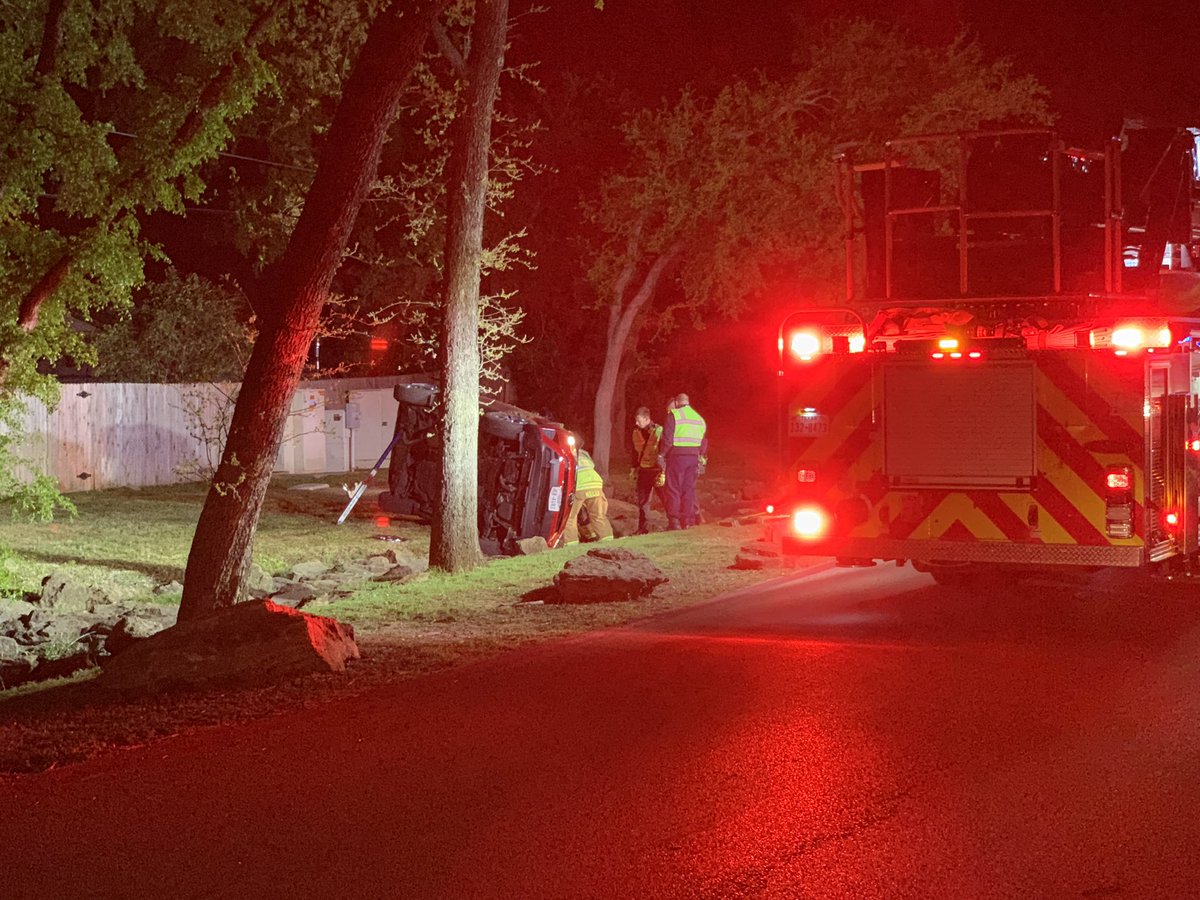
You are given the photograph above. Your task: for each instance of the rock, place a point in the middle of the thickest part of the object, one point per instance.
(12, 609)
(380, 563)
(306, 570)
(531, 545)
(63, 666)
(59, 591)
(259, 580)
(170, 589)
(10, 649)
(69, 627)
(249, 643)
(326, 585)
(607, 575)
(133, 627)
(295, 594)
(32, 627)
(396, 573)
(15, 671)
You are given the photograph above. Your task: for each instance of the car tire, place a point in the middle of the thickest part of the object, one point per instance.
(503, 426)
(415, 394)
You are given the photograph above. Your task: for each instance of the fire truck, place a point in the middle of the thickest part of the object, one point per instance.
(1013, 383)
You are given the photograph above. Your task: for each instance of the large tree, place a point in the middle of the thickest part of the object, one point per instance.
(718, 194)
(291, 297)
(454, 540)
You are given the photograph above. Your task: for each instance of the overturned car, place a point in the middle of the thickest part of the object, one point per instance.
(526, 469)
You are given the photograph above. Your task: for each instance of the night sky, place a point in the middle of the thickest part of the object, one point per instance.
(1101, 61)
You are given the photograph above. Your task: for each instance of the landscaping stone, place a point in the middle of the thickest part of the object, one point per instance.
(380, 562)
(255, 642)
(12, 609)
(15, 671)
(133, 627)
(607, 575)
(396, 573)
(10, 649)
(294, 595)
(532, 545)
(258, 580)
(61, 591)
(310, 569)
(32, 627)
(62, 667)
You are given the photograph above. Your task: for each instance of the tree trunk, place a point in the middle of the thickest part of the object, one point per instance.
(454, 538)
(296, 290)
(620, 324)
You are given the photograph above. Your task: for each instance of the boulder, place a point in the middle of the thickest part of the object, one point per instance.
(62, 666)
(258, 580)
(60, 591)
(250, 643)
(396, 573)
(607, 575)
(294, 594)
(531, 545)
(15, 671)
(306, 570)
(378, 563)
(12, 609)
(10, 649)
(134, 626)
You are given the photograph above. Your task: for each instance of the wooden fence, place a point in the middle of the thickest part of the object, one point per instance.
(133, 435)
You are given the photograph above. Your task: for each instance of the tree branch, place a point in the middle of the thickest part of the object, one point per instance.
(31, 303)
(457, 62)
(215, 90)
(52, 36)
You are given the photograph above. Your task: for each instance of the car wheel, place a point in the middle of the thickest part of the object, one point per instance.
(503, 426)
(417, 393)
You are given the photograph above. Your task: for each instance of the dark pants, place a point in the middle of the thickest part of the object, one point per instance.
(645, 492)
(681, 489)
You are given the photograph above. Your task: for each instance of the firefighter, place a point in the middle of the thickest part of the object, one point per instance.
(683, 444)
(590, 500)
(646, 474)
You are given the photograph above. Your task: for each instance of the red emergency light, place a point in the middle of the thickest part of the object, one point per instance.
(1118, 479)
(810, 522)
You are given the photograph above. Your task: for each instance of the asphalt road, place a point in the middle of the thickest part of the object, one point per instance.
(840, 733)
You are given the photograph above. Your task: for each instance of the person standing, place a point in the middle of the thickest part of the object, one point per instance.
(589, 498)
(684, 441)
(647, 475)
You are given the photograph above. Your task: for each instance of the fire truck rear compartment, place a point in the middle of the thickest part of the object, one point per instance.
(959, 425)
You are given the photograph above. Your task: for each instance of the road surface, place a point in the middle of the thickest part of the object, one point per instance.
(839, 733)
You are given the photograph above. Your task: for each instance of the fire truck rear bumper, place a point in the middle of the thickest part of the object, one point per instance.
(973, 551)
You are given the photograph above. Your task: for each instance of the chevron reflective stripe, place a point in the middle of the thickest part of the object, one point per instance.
(1089, 415)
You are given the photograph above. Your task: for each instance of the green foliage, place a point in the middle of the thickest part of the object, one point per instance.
(184, 329)
(109, 127)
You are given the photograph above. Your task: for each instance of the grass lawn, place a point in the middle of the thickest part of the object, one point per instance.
(128, 542)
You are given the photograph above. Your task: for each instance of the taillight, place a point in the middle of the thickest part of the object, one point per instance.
(810, 522)
(806, 476)
(1118, 479)
(1118, 501)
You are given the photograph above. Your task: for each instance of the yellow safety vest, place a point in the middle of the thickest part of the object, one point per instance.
(586, 476)
(689, 427)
